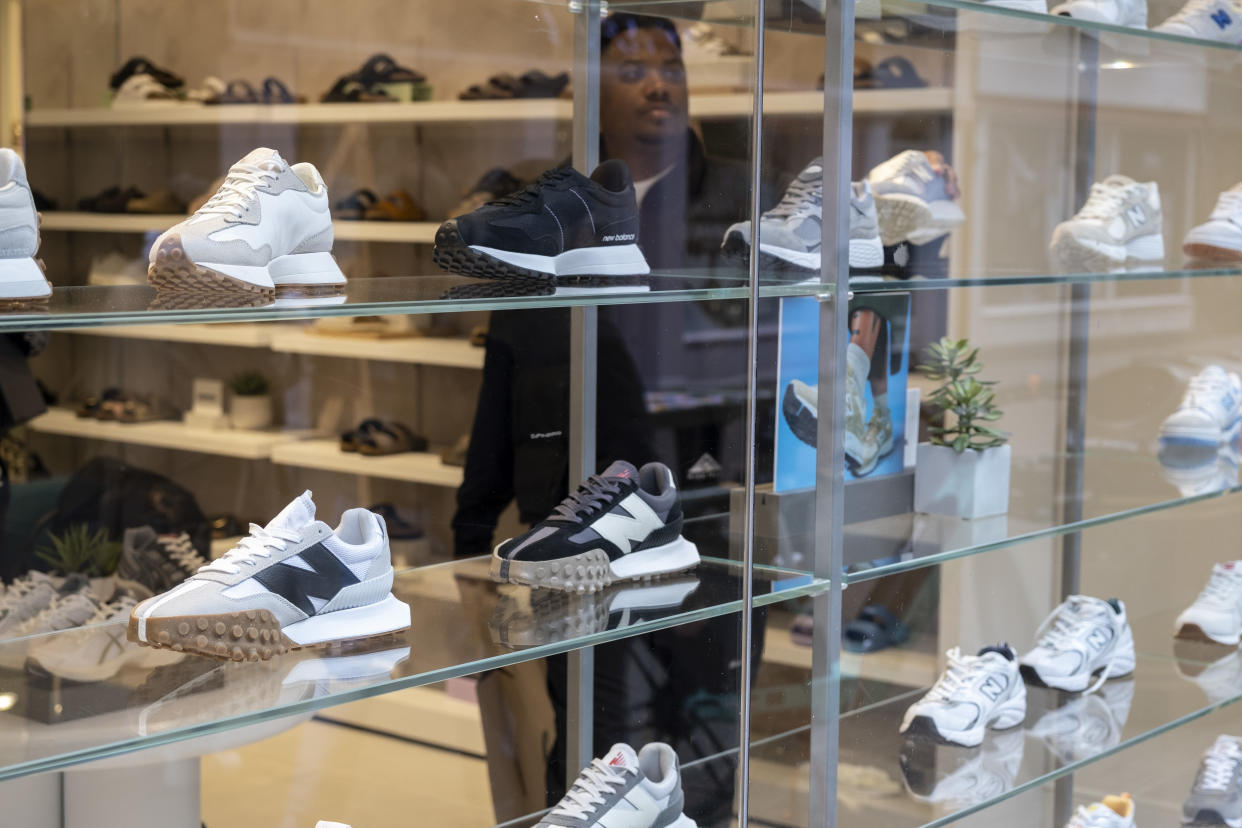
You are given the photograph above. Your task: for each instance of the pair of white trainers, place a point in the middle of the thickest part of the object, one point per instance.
(1082, 643)
(268, 227)
(1215, 20)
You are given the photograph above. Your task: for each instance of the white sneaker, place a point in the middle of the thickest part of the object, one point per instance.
(1219, 20)
(67, 610)
(914, 197)
(857, 367)
(1081, 637)
(1219, 239)
(1216, 615)
(1220, 679)
(1197, 470)
(293, 583)
(1210, 411)
(1131, 13)
(974, 693)
(99, 651)
(640, 790)
(1088, 725)
(1110, 812)
(267, 227)
(21, 277)
(1121, 220)
(1216, 795)
(25, 598)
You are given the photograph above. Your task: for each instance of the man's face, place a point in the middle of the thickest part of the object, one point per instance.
(643, 87)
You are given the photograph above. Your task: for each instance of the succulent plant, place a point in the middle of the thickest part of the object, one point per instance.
(79, 549)
(249, 384)
(971, 401)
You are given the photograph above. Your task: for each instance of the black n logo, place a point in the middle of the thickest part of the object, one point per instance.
(297, 585)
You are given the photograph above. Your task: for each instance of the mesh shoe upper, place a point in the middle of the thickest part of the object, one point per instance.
(19, 230)
(621, 511)
(1216, 795)
(646, 786)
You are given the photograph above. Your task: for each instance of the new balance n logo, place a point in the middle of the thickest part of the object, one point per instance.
(993, 687)
(1099, 638)
(326, 577)
(1221, 18)
(620, 529)
(1135, 215)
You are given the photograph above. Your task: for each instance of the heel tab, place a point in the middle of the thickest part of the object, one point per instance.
(613, 175)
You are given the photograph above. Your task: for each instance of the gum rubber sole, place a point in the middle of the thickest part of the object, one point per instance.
(1193, 632)
(455, 256)
(1211, 253)
(250, 635)
(173, 271)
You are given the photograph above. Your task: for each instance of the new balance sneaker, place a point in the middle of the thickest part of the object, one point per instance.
(791, 233)
(293, 583)
(72, 607)
(1110, 812)
(1216, 795)
(267, 227)
(877, 440)
(1131, 13)
(800, 405)
(98, 651)
(25, 598)
(1216, 615)
(564, 225)
(620, 525)
(1120, 221)
(857, 368)
(1088, 725)
(1210, 412)
(640, 790)
(21, 276)
(158, 562)
(1219, 239)
(1197, 470)
(974, 693)
(1218, 20)
(956, 777)
(914, 197)
(1081, 638)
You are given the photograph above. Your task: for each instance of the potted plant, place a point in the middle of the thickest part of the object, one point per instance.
(964, 469)
(92, 554)
(251, 405)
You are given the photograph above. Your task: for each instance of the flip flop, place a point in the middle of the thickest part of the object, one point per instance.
(396, 206)
(141, 66)
(390, 438)
(237, 92)
(875, 629)
(275, 92)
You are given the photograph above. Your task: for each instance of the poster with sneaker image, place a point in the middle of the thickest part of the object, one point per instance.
(878, 366)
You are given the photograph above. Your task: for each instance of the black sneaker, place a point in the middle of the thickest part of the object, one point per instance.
(621, 525)
(158, 562)
(562, 227)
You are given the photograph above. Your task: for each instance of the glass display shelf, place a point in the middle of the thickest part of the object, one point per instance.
(1119, 485)
(88, 694)
(997, 277)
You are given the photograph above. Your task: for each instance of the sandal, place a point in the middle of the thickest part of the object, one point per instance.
(354, 206)
(396, 206)
(237, 92)
(275, 92)
(390, 438)
(142, 66)
(349, 439)
(875, 629)
(535, 84)
(349, 90)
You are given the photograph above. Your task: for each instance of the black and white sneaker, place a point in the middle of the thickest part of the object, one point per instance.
(620, 525)
(561, 227)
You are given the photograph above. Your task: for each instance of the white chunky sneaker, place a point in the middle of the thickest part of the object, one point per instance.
(267, 227)
(914, 197)
(1120, 221)
(21, 277)
(1132, 13)
(1110, 812)
(1080, 638)
(1219, 239)
(1210, 412)
(640, 790)
(1216, 796)
(1216, 615)
(1219, 20)
(290, 584)
(974, 693)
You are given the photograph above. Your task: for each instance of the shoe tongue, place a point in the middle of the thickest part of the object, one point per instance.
(1003, 650)
(622, 756)
(296, 515)
(264, 157)
(1117, 180)
(622, 470)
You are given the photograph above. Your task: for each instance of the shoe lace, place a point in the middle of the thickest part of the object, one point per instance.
(20, 589)
(589, 497)
(1092, 817)
(1221, 588)
(1104, 202)
(60, 614)
(1206, 385)
(589, 789)
(1229, 205)
(238, 188)
(1219, 764)
(183, 553)
(1067, 626)
(801, 198)
(530, 193)
(956, 676)
(260, 543)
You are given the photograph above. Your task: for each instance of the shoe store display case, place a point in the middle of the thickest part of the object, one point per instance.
(642, 414)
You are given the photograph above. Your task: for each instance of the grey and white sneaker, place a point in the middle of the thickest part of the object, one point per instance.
(1219, 239)
(791, 233)
(640, 790)
(914, 195)
(974, 693)
(99, 650)
(25, 598)
(72, 607)
(857, 367)
(1216, 795)
(1120, 221)
(21, 276)
(267, 227)
(1080, 639)
(158, 562)
(293, 583)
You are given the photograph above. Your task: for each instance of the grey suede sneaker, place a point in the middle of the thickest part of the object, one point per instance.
(1216, 796)
(640, 790)
(1120, 221)
(21, 277)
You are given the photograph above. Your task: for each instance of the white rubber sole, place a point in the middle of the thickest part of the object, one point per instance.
(1034, 6)
(1010, 714)
(347, 668)
(1090, 256)
(1183, 436)
(863, 253)
(1123, 666)
(610, 260)
(676, 556)
(388, 615)
(654, 596)
(23, 279)
(295, 270)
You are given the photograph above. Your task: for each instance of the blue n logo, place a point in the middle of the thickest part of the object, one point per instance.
(1221, 18)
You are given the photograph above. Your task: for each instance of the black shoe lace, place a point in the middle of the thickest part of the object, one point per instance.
(592, 495)
(528, 194)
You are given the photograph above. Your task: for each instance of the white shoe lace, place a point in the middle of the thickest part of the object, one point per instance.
(1066, 627)
(20, 589)
(1229, 205)
(802, 198)
(1093, 817)
(183, 553)
(955, 676)
(61, 614)
(1222, 587)
(237, 191)
(1104, 202)
(589, 790)
(1219, 764)
(260, 543)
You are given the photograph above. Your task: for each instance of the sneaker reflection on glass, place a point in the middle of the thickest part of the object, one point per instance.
(1216, 668)
(1088, 725)
(527, 618)
(1197, 470)
(956, 777)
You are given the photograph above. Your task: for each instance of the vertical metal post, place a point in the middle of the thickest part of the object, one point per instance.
(580, 712)
(1086, 50)
(12, 88)
(830, 461)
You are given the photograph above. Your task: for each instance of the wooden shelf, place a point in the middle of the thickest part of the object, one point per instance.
(169, 434)
(326, 455)
(419, 350)
(406, 232)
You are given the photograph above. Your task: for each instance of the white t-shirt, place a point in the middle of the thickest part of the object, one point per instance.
(641, 187)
